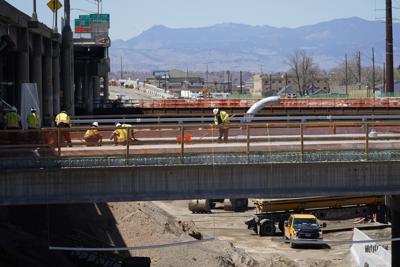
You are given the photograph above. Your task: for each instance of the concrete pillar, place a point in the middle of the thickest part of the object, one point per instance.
(48, 114)
(22, 70)
(394, 204)
(37, 72)
(106, 88)
(90, 100)
(56, 78)
(86, 85)
(68, 62)
(96, 91)
(78, 83)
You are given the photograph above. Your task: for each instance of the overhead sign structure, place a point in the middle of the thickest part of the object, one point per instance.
(54, 5)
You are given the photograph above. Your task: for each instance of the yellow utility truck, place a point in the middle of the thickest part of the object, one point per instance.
(302, 226)
(270, 213)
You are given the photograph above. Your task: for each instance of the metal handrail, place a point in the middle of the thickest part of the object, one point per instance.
(246, 133)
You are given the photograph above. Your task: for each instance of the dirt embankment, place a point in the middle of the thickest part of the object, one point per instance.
(143, 224)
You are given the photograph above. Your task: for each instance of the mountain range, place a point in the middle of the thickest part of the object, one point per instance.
(231, 46)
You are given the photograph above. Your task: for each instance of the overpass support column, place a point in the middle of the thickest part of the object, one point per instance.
(96, 91)
(105, 88)
(90, 95)
(22, 62)
(37, 68)
(48, 85)
(78, 84)
(56, 78)
(68, 62)
(394, 204)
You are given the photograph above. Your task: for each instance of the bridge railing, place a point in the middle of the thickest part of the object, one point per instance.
(287, 141)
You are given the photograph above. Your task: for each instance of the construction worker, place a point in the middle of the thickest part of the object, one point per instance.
(132, 133)
(64, 121)
(92, 135)
(120, 135)
(13, 122)
(13, 119)
(221, 120)
(33, 121)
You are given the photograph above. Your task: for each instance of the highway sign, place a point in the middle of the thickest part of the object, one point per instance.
(54, 5)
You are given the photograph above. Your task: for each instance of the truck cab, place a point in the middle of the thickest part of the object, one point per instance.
(302, 226)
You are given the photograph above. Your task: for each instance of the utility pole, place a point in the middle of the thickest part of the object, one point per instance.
(389, 71)
(384, 76)
(121, 70)
(373, 71)
(241, 83)
(270, 84)
(359, 68)
(34, 14)
(207, 77)
(346, 75)
(55, 17)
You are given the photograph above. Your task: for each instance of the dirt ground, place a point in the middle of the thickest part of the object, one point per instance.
(267, 251)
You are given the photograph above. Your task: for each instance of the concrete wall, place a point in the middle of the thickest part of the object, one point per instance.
(197, 181)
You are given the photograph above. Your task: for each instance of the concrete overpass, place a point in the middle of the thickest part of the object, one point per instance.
(188, 181)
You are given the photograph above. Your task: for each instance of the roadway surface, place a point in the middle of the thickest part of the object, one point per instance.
(129, 93)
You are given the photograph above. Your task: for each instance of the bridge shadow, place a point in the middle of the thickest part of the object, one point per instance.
(28, 232)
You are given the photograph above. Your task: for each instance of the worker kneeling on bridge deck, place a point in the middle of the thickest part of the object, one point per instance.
(221, 120)
(92, 136)
(132, 134)
(64, 121)
(120, 135)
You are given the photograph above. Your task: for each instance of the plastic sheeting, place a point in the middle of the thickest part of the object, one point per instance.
(29, 99)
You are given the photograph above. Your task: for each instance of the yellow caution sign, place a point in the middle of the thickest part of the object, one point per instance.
(54, 5)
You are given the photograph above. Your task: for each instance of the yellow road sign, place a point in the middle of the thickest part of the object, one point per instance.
(54, 5)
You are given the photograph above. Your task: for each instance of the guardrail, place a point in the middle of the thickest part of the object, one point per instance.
(302, 142)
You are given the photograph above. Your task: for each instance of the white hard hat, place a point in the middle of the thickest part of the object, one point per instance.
(118, 124)
(215, 111)
(33, 110)
(13, 108)
(95, 124)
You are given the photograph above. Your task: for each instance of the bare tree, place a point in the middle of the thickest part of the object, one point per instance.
(303, 67)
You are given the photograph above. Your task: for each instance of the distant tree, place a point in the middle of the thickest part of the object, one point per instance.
(339, 73)
(303, 67)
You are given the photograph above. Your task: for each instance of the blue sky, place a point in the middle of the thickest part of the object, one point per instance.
(131, 17)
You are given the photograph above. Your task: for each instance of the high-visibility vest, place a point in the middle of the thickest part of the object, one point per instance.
(224, 116)
(64, 118)
(91, 133)
(12, 119)
(33, 120)
(122, 135)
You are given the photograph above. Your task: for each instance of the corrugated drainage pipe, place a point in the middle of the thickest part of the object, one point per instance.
(260, 105)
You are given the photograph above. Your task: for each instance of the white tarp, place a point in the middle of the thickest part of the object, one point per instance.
(369, 254)
(29, 99)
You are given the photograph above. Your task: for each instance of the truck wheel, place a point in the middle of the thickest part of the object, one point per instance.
(266, 228)
(235, 204)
